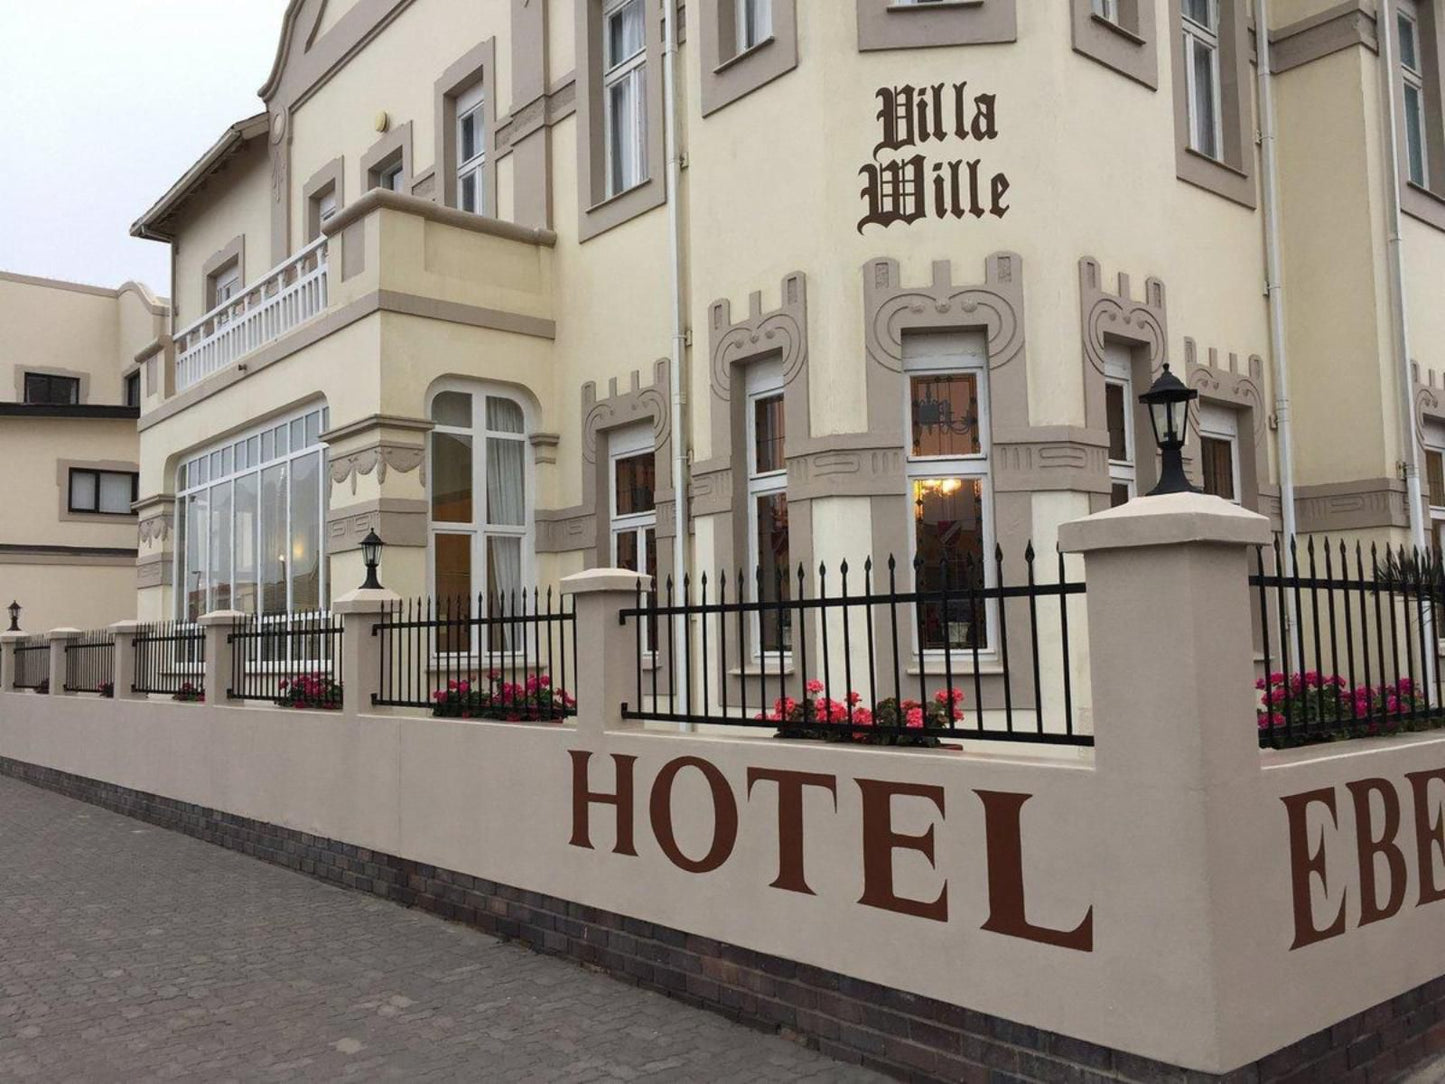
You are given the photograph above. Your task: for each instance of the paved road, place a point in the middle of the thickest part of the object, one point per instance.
(128, 952)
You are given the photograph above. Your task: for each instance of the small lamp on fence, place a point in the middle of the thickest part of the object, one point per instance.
(1168, 402)
(371, 554)
(14, 616)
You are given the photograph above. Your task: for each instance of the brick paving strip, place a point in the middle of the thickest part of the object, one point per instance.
(128, 952)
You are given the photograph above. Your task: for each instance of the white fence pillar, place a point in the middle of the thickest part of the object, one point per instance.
(220, 676)
(1177, 755)
(122, 675)
(606, 648)
(58, 639)
(9, 641)
(360, 650)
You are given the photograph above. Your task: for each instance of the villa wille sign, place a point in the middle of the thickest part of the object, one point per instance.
(906, 181)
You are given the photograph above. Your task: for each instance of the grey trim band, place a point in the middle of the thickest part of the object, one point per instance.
(1350, 506)
(67, 410)
(401, 521)
(16, 552)
(433, 212)
(883, 24)
(1344, 26)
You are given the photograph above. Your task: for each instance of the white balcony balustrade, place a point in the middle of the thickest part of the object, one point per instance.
(285, 297)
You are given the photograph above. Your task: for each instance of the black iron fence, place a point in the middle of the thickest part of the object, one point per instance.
(170, 659)
(499, 657)
(32, 664)
(90, 663)
(961, 653)
(1350, 641)
(290, 659)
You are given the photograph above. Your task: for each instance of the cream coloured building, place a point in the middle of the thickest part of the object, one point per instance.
(69, 399)
(892, 289)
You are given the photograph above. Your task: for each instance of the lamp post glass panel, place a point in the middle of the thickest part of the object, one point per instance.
(14, 609)
(1168, 402)
(371, 554)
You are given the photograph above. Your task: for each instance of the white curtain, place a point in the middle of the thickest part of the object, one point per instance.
(506, 482)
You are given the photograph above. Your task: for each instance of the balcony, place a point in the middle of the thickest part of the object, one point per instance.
(284, 298)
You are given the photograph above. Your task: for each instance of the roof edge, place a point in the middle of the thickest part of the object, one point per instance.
(146, 226)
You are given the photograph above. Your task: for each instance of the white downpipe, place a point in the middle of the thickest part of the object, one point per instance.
(1278, 342)
(679, 313)
(1396, 260)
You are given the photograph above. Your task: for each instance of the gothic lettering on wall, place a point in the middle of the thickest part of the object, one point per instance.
(906, 182)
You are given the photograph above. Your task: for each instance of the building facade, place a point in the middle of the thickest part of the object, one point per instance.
(69, 400)
(891, 291)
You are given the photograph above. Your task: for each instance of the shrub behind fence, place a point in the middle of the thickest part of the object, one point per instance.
(291, 659)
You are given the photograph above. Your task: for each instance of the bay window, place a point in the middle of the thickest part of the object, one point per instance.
(948, 476)
(1412, 66)
(1119, 414)
(471, 150)
(1201, 66)
(480, 509)
(1219, 451)
(249, 515)
(624, 89)
(768, 503)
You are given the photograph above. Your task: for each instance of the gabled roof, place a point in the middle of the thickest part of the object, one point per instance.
(152, 224)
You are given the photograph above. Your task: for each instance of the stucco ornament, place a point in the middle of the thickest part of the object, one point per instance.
(637, 404)
(1119, 316)
(996, 307)
(155, 529)
(783, 331)
(402, 458)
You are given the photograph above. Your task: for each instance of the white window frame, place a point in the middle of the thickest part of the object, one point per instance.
(1208, 36)
(389, 177)
(763, 380)
(943, 354)
(224, 454)
(1118, 372)
(753, 23)
(1416, 135)
(472, 102)
(478, 529)
(629, 442)
(616, 71)
(1222, 423)
(1108, 10)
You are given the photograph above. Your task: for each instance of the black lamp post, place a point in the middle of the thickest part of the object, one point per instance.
(1168, 402)
(14, 616)
(371, 554)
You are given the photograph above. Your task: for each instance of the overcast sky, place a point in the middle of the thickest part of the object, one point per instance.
(103, 105)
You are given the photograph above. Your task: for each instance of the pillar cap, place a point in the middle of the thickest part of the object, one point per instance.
(13, 637)
(365, 600)
(129, 627)
(1168, 520)
(222, 618)
(65, 633)
(606, 579)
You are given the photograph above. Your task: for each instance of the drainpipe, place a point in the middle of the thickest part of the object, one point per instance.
(1385, 32)
(1273, 270)
(680, 442)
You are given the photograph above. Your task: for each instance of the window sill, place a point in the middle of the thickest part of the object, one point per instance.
(1218, 163)
(615, 197)
(945, 5)
(1123, 31)
(987, 665)
(738, 58)
(769, 668)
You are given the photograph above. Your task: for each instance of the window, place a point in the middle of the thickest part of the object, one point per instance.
(1219, 451)
(1107, 9)
(1119, 34)
(132, 389)
(1435, 473)
(1201, 65)
(1417, 155)
(634, 510)
(249, 513)
(480, 514)
(947, 467)
(227, 284)
(624, 89)
(389, 177)
(52, 390)
(472, 150)
(106, 492)
(922, 24)
(387, 162)
(754, 23)
(1119, 413)
(768, 554)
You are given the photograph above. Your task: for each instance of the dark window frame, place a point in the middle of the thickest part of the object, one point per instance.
(52, 378)
(96, 473)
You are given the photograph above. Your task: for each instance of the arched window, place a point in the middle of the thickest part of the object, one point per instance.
(481, 514)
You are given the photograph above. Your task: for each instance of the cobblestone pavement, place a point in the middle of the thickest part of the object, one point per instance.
(128, 952)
